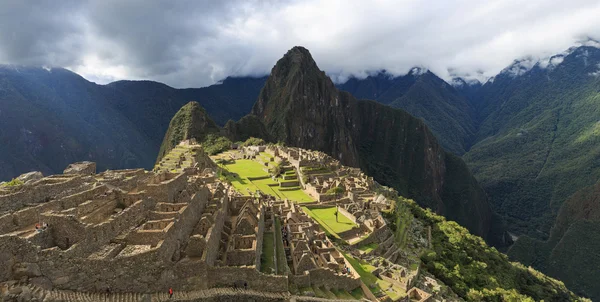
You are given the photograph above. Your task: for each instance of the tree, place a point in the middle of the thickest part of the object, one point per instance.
(337, 191)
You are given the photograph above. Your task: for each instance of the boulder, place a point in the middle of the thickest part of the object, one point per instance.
(30, 177)
(28, 270)
(83, 168)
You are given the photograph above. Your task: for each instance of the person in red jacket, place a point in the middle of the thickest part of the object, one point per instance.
(170, 293)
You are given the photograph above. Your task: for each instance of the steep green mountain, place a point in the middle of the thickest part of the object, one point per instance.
(248, 126)
(52, 117)
(475, 271)
(301, 106)
(149, 105)
(421, 93)
(571, 252)
(191, 121)
(538, 141)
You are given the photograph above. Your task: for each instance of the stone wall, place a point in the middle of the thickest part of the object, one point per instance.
(377, 236)
(167, 189)
(224, 276)
(241, 257)
(330, 279)
(326, 277)
(259, 237)
(354, 232)
(213, 236)
(37, 192)
(72, 201)
(27, 217)
(347, 214)
(176, 237)
(64, 228)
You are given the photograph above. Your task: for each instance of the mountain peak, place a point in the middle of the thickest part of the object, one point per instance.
(297, 59)
(191, 121)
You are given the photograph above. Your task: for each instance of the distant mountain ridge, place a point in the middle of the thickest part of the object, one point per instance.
(50, 117)
(447, 112)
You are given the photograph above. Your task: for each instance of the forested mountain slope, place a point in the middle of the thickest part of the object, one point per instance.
(421, 93)
(52, 117)
(539, 138)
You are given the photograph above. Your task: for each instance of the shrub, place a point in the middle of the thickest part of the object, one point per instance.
(253, 141)
(13, 183)
(214, 144)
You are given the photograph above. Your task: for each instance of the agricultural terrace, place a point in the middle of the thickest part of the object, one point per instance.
(376, 285)
(326, 218)
(247, 176)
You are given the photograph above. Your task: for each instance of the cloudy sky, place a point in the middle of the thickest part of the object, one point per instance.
(196, 43)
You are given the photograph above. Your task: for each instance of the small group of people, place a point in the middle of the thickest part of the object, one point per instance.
(346, 270)
(39, 227)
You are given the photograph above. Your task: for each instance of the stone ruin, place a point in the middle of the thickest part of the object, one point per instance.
(136, 232)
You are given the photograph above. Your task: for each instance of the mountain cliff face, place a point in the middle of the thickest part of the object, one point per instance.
(421, 93)
(301, 106)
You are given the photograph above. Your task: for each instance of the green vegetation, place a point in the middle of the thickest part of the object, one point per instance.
(426, 96)
(191, 121)
(369, 247)
(267, 263)
(375, 284)
(539, 142)
(282, 267)
(474, 270)
(358, 293)
(214, 144)
(327, 218)
(337, 191)
(13, 183)
(253, 141)
(248, 176)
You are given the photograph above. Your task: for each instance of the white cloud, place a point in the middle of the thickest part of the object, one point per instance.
(192, 43)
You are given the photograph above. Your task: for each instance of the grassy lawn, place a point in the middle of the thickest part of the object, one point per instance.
(282, 267)
(369, 247)
(326, 217)
(267, 263)
(297, 195)
(375, 284)
(245, 168)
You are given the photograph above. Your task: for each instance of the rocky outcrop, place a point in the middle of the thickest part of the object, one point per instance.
(30, 177)
(300, 106)
(83, 168)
